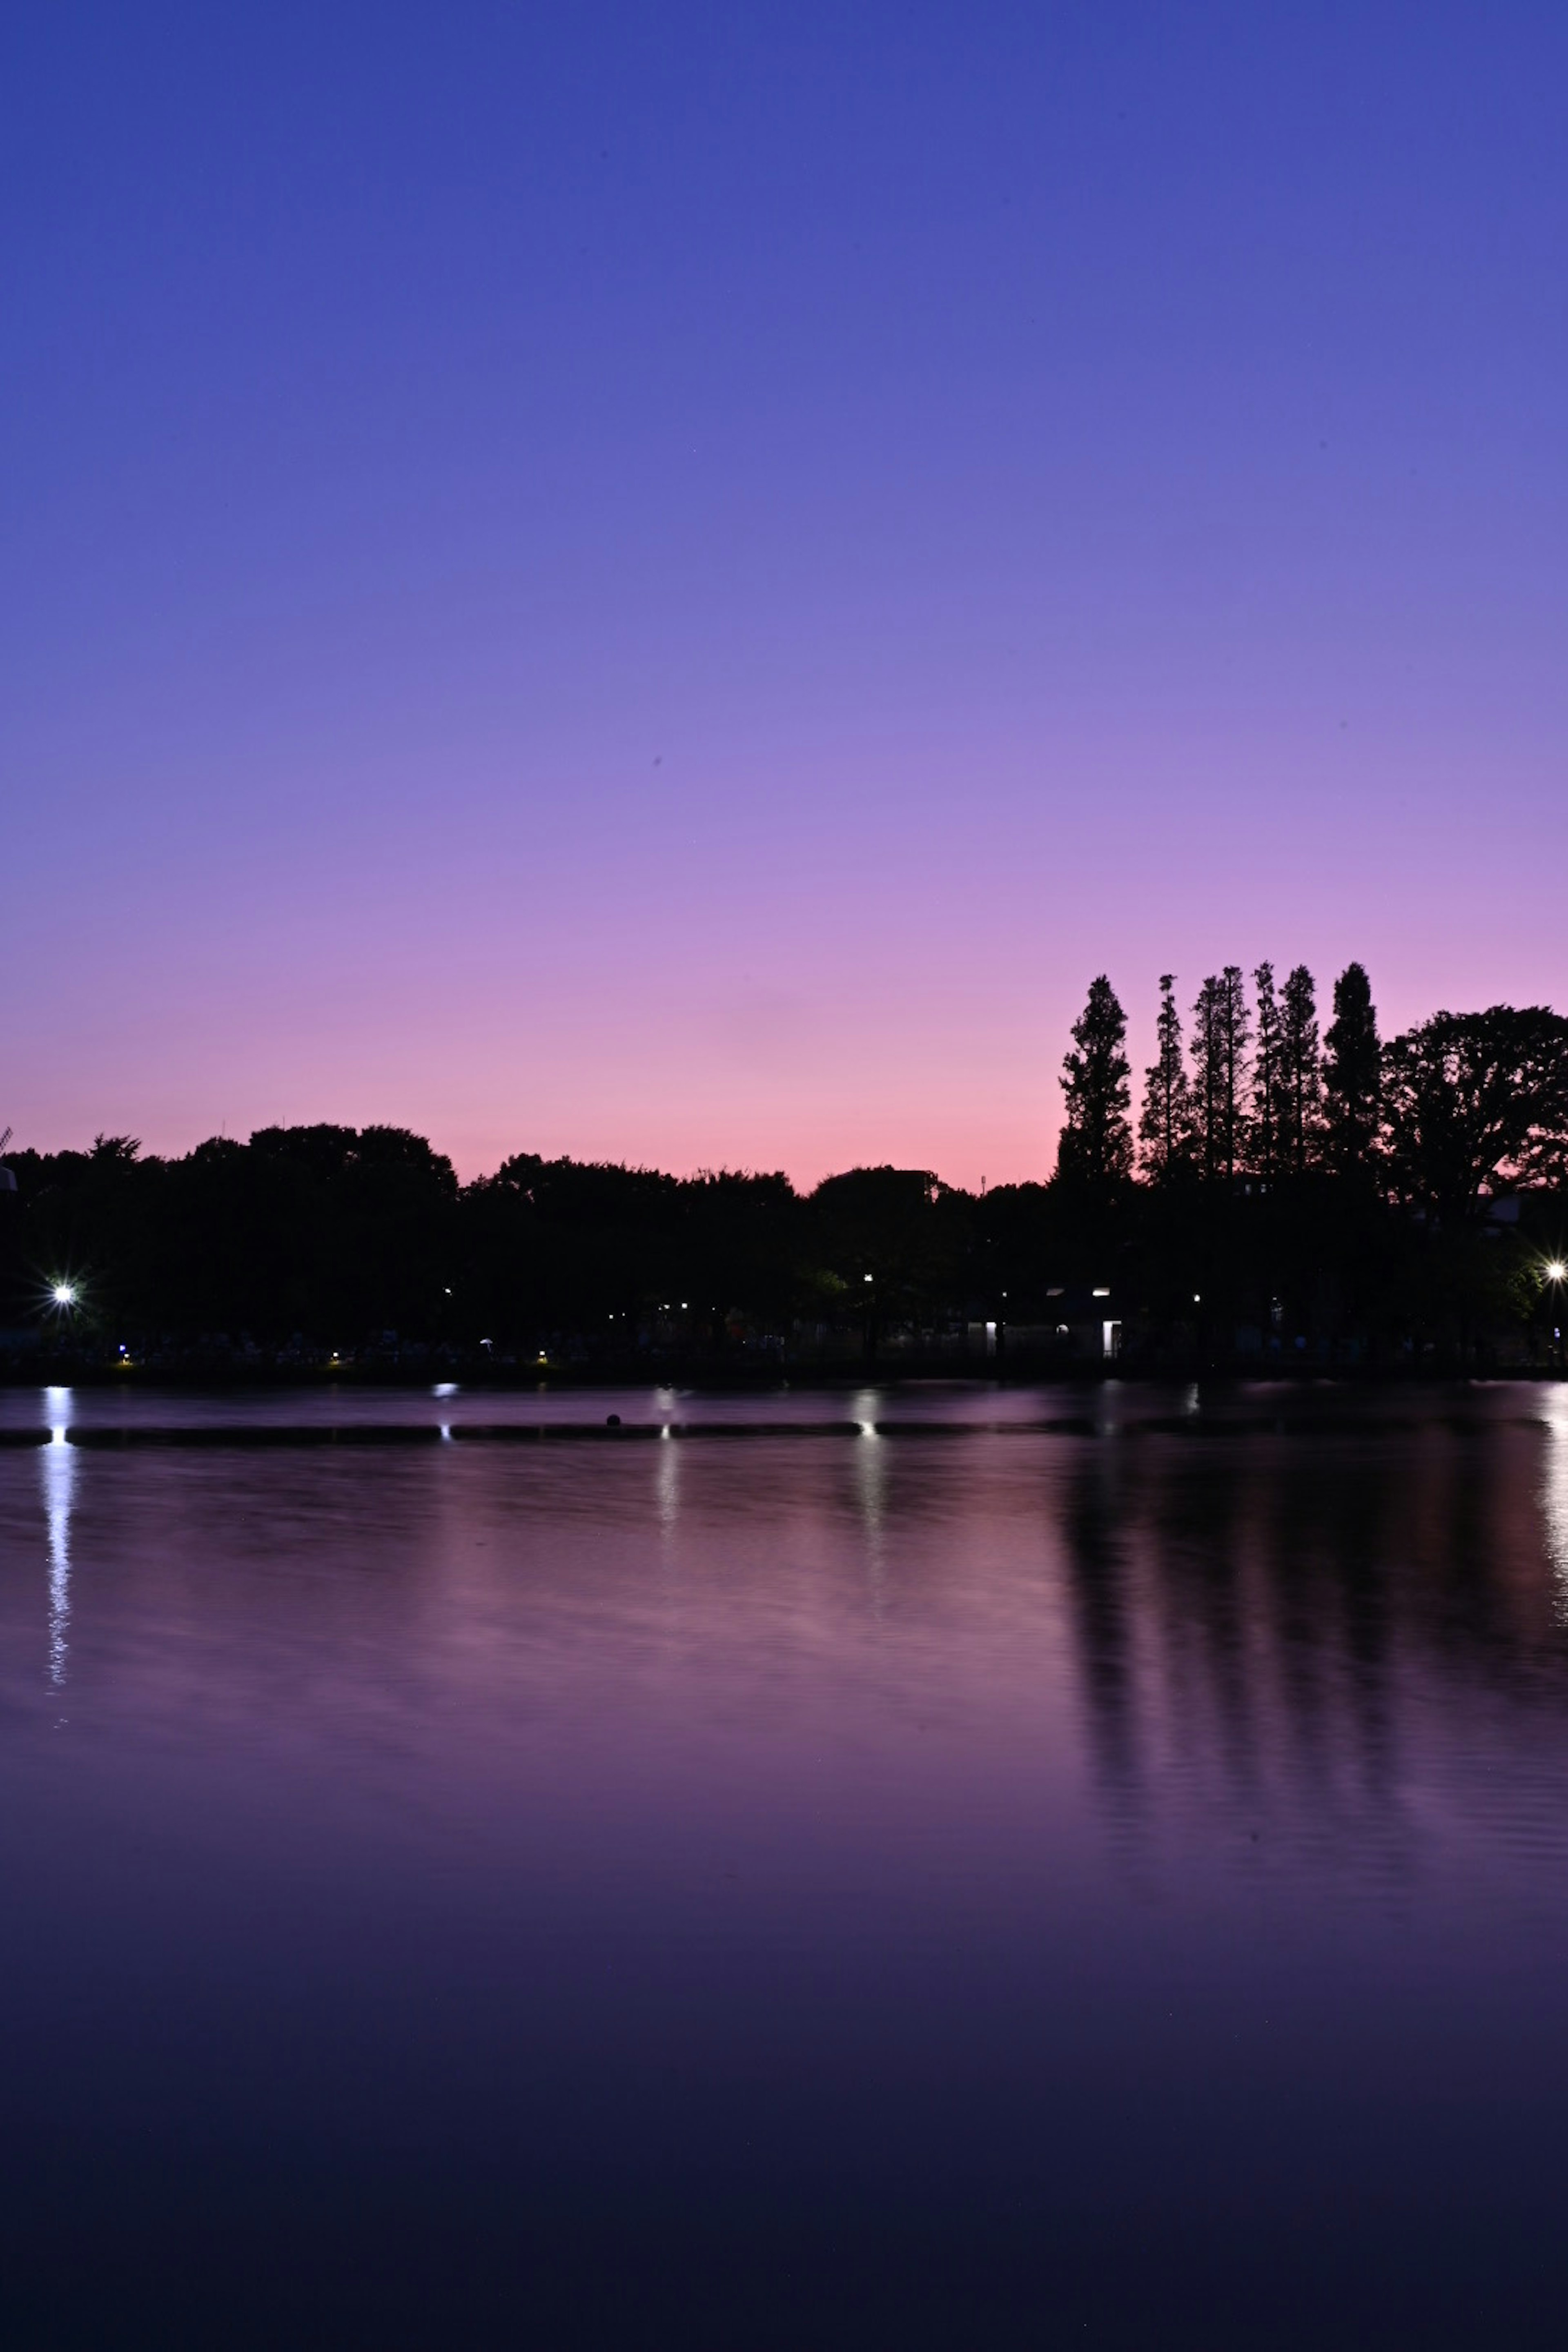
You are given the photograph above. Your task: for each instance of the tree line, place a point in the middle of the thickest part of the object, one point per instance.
(1437, 1120)
(1291, 1188)
(327, 1242)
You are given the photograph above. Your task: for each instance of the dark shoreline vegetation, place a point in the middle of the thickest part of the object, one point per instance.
(1289, 1205)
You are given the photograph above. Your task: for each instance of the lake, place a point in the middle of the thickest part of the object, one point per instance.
(948, 1865)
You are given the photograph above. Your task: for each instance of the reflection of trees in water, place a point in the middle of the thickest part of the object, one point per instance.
(1103, 1610)
(1201, 1581)
(1322, 1543)
(1262, 1624)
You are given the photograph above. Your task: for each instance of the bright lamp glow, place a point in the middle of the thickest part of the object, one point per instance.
(1556, 1270)
(63, 1293)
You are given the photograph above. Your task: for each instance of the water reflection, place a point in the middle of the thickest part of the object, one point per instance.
(1164, 1823)
(1554, 1495)
(1273, 1644)
(872, 1494)
(59, 1480)
(1103, 1617)
(668, 1484)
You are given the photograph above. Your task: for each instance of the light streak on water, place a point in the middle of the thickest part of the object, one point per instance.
(60, 1481)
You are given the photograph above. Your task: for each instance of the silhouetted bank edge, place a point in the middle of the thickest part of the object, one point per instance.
(1345, 1207)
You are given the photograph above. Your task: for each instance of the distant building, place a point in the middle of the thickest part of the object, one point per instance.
(1083, 1324)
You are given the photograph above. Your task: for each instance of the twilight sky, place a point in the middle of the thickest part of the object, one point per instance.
(671, 581)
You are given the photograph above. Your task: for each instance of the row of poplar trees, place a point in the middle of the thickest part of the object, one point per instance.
(1441, 1114)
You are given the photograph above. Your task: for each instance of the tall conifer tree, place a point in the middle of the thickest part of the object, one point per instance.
(1096, 1146)
(1300, 1070)
(1220, 1027)
(1352, 1074)
(1266, 1103)
(1206, 1084)
(1165, 1128)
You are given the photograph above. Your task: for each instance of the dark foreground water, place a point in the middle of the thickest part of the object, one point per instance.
(1083, 1869)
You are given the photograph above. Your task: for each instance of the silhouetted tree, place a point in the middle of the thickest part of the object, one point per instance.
(1165, 1127)
(1219, 1058)
(1473, 1099)
(1266, 1123)
(1096, 1147)
(1204, 1091)
(1300, 1070)
(1353, 1070)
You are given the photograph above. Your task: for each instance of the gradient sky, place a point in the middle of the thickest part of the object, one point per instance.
(671, 581)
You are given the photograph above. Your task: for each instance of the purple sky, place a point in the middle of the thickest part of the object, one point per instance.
(671, 582)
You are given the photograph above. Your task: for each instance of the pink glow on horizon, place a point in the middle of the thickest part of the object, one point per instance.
(703, 990)
(579, 588)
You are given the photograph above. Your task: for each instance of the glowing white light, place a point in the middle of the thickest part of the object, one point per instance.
(1556, 1270)
(445, 1388)
(63, 1293)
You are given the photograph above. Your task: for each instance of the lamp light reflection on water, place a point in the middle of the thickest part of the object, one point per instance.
(666, 1473)
(1554, 1495)
(872, 1494)
(59, 1479)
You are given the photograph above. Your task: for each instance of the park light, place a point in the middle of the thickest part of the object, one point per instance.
(63, 1293)
(1556, 1269)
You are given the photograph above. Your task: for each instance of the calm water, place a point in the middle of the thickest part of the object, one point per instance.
(1017, 1868)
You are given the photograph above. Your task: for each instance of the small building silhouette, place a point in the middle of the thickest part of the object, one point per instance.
(1082, 1324)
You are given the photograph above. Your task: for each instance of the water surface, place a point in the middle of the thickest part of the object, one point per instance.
(948, 1865)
